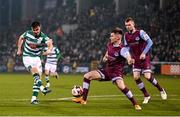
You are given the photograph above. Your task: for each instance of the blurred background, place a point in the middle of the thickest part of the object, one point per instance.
(80, 29)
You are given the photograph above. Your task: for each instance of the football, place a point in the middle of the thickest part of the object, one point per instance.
(77, 91)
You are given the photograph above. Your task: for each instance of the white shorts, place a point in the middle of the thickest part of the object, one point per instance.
(50, 67)
(30, 62)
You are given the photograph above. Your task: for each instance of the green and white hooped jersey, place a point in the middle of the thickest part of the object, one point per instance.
(33, 45)
(53, 57)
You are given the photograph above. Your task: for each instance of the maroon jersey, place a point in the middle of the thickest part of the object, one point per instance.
(115, 63)
(137, 45)
(115, 59)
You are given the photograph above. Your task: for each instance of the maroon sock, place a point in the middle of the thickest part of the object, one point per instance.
(129, 95)
(86, 84)
(153, 81)
(140, 85)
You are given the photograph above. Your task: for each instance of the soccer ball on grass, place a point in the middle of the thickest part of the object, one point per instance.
(77, 91)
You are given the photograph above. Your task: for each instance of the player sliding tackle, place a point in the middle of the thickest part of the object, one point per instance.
(115, 57)
(32, 41)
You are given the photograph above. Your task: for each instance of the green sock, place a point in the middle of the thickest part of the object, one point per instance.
(37, 79)
(35, 90)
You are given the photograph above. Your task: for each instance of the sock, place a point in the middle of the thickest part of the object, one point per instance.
(140, 85)
(153, 81)
(129, 95)
(35, 92)
(33, 98)
(47, 78)
(86, 84)
(38, 81)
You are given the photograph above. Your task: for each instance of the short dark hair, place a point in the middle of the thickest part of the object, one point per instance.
(117, 30)
(35, 24)
(129, 19)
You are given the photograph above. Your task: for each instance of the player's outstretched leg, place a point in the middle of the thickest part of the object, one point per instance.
(153, 81)
(86, 85)
(38, 81)
(141, 86)
(92, 75)
(83, 99)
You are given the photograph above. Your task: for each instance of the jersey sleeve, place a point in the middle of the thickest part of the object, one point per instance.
(23, 35)
(46, 39)
(58, 53)
(45, 49)
(125, 42)
(124, 52)
(146, 37)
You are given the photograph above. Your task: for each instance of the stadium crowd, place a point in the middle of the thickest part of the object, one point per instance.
(86, 41)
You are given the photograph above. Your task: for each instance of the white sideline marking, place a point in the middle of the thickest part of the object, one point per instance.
(95, 97)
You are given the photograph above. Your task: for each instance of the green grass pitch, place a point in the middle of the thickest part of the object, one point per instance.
(104, 98)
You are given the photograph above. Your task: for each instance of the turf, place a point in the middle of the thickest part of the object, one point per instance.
(104, 98)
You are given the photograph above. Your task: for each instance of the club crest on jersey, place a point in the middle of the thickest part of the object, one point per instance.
(39, 40)
(116, 54)
(137, 38)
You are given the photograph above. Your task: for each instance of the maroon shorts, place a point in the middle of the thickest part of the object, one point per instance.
(142, 65)
(110, 74)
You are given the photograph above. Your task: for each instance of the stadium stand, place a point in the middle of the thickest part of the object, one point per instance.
(88, 36)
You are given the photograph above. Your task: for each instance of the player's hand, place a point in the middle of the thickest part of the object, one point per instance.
(48, 52)
(104, 59)
(131, 61)
(142, 56)
(19, 52)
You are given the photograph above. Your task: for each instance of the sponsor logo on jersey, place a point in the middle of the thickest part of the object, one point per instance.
(39, 40)
(116, 54)
(137, 38)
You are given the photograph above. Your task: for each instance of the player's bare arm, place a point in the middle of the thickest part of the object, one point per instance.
(50, 46)
(20, 42)
(105, 58)
(125, 53)
(130, 60)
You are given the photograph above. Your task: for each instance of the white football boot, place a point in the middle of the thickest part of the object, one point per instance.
(146, 99)
(163, 94)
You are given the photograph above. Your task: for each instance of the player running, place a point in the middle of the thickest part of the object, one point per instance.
(139, 44)
(32, 41)
(115, 57)
(51, 64)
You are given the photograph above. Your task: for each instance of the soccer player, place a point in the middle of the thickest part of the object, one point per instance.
(139, 44)
(115, 57)
(32, 41)
(51, 64)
